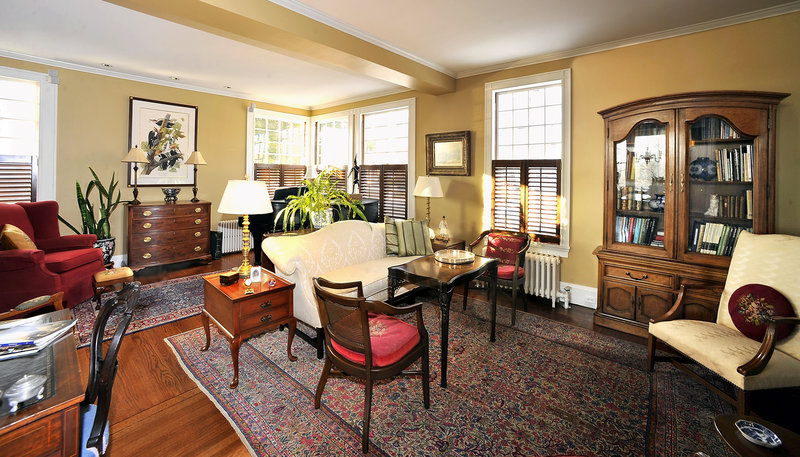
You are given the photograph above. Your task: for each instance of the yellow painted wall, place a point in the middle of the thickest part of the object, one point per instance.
(759, 55)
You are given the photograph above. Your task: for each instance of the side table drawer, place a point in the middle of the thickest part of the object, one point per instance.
(265, 317)
(648, 277)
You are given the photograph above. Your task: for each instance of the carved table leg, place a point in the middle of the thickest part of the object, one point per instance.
(444, 303)
(493, 278)
(394, 284)
(235, 343)
(204, 318)
(292, 327)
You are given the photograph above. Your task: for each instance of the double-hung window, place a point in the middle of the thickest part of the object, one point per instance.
(27, 135)
(333, 147)
(528, 136)
(278, 151)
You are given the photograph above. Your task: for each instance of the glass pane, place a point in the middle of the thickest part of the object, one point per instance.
(720, 186)
(640, 194)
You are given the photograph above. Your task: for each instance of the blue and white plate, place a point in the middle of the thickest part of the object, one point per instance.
(758, 434)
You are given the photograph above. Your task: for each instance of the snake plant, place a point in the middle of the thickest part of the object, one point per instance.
(108, 202)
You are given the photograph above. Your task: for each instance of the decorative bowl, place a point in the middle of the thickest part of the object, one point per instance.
(758, 434)
(171, 194)
(454, 256)
(703, 168)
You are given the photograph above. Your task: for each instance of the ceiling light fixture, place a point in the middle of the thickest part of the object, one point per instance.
(107, 65)
(174, 78)
(226, 86)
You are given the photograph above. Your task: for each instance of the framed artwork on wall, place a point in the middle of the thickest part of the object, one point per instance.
(448, 153)
(167, 134)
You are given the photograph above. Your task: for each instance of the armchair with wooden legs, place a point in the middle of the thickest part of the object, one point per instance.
(763, 272)
(363, 339)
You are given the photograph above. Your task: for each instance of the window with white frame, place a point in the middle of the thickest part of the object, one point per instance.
(528, 136)
(27, 135)
(277, 149)
(332, 147)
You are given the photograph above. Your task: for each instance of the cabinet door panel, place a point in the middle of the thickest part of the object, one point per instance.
(652, 303)
(619, 299)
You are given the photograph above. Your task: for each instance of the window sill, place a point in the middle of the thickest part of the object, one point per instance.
(551, 249)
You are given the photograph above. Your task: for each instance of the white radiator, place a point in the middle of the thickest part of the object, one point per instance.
(231, 236)
(543, 276)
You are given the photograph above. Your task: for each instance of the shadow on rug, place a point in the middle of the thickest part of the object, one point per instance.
(159, 303)
(543, 389)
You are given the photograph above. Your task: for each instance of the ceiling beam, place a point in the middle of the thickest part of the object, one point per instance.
(270, 26)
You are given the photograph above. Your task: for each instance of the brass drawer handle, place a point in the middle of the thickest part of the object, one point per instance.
(147, 213)
(628, 274)
(198, 221)
(147, 256)
(266, 318)
(266, 304)
(197, 249)
(147, 239)
(198, 210)
(197, 234)
(147, 225)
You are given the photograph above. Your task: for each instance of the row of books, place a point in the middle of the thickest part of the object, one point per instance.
(712, 127)
(735, 164)
(636, 230)
(735, 206)
(715, 238)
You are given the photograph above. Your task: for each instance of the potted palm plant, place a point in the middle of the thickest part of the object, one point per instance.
(318, 202)
(97, 225)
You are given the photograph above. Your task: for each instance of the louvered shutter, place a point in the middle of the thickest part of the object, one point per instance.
(542, 205)
(292, 175)
(389, 184)
(339, 178)
(270, 174)
(17, 179)
(507, 194)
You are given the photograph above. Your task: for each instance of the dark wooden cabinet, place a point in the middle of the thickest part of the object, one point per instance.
(684, 175)
(162, 233)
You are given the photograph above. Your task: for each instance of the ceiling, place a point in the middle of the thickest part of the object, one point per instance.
(318, 53)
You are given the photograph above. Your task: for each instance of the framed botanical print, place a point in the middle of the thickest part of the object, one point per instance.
(448, 153)
(167, 134)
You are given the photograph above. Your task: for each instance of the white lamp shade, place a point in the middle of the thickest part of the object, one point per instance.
(135, 155)
(245, 197)
(428, 186)
(196, 159)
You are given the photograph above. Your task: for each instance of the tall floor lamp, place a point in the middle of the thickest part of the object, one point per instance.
(428, 186)
(242, 198)
(195, 159)
(135, 156)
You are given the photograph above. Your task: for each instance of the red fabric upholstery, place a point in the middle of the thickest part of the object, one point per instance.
(61, 264)
(390, 337)
(504, 248)
(507, 272)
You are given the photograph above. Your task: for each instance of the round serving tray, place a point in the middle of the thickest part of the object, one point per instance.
(454, 256)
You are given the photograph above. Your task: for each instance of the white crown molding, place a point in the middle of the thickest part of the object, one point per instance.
(689, 29)
(360, 98)
(319, 16)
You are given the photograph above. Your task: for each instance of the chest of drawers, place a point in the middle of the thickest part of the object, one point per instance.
(161, 233)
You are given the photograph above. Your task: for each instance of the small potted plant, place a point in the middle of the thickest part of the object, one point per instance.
(318, 202)
(98, 226)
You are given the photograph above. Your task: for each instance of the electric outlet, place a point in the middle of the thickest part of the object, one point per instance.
(591, 301)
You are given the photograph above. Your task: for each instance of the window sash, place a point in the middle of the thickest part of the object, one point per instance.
(17, 178)
(525, 197)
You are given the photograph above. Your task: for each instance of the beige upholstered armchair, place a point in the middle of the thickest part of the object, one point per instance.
(748, 364)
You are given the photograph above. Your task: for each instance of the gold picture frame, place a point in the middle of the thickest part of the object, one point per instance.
(448, 153)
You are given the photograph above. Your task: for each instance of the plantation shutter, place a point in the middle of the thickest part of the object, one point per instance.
(507, 195)
(542, 204)
(278, 175)
(389, 184)
(525, 197)
(17, 179)
(292, 175)
(339, 177)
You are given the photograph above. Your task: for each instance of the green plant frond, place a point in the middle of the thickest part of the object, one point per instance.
(71, 227)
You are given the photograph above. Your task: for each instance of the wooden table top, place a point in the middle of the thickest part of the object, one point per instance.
(429, 267)
(726, 427)
(235, 292)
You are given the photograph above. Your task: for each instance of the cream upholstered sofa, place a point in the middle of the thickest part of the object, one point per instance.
(350, 250)
(771, 260)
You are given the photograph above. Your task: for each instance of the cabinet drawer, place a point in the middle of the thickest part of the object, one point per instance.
(266, 303)
(166, 254)
(264, 317)
(196, 237)
(169, 223)
(642, 276)
(151, 212)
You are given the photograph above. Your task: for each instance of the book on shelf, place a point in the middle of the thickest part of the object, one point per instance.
(714, 238)
(635, 230)
(28, 336)
(735, 164)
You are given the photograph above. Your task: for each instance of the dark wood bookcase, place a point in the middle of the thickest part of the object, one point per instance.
(684, 175)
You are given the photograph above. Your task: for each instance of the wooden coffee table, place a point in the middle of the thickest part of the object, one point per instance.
(239, 316)
(442, 277)
(726, 427)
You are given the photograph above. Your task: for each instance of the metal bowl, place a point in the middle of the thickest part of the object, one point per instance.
(171, 194)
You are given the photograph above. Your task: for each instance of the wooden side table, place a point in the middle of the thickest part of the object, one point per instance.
(726, 427)
(239, 316)
(452, 243)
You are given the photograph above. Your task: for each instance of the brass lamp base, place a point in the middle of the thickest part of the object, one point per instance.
(244, 268)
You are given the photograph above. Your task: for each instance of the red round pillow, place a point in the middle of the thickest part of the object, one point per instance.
(751, 305)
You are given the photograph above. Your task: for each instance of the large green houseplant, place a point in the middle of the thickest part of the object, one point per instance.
(317, 203)
(97, 224)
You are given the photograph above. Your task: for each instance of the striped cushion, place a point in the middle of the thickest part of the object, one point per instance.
(391, 236)
(413, 238)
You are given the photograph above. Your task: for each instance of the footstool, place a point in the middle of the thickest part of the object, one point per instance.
(106, 278)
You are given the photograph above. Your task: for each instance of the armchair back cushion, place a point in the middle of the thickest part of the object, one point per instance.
(770, 260)
(12, 237)
(504, 247)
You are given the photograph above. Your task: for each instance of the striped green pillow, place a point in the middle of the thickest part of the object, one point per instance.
(391, 236)
(412, 238)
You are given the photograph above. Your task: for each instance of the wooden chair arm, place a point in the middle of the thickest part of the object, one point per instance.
(56, 301)
(392, 310)
(757, 364)
(479, 239)
(676, 312)
(342, 285)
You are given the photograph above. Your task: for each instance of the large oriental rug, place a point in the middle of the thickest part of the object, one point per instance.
(543, 389)
(159, 303)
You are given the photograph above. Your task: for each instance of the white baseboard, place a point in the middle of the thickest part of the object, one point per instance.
(581, 295)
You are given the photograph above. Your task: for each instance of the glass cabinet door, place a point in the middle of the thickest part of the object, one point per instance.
(718, 181)
(640, 195)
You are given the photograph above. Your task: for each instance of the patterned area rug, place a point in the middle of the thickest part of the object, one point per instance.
(159, 303)
(543, 389)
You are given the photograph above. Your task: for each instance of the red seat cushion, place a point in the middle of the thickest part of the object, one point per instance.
(750, 307)
(391, 339)
(504, 247)
(61, 261)
(507, 272)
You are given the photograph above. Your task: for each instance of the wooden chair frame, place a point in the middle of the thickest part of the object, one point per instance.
(357, 338)
(516, 282)
(56, 301)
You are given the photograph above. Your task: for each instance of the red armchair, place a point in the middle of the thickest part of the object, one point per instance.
(59, 264)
